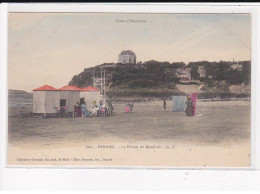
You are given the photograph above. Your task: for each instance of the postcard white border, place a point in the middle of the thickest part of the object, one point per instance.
(145, 177)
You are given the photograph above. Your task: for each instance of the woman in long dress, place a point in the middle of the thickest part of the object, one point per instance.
(77, 110)
(84, 110)
(131, 106)
(189, 108)
(127, 108)
(164, 104)
(94, 109)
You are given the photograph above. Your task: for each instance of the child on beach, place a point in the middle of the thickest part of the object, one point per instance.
(127, 108)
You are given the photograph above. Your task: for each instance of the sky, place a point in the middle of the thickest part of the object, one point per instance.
(50, 48)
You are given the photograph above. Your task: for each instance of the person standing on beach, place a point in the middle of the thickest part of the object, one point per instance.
(127, 108)
(164, 104)
(77, 110)
(131, 106)
(84, 110)
(189, 107)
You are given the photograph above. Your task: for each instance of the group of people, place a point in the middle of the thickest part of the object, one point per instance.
(129, 107)
(62, 111)
(95, 110)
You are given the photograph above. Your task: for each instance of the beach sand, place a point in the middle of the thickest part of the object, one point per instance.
(149, 137)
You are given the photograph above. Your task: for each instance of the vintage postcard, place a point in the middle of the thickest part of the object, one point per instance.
(156, 90)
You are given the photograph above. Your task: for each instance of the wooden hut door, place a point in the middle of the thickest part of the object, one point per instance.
(82, 100)
(62, 102)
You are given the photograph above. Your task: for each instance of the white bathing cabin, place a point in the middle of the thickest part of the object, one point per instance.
(88, 95)
(45, 98)
(69, 96)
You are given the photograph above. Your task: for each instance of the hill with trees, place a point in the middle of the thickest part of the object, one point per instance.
(159, 79)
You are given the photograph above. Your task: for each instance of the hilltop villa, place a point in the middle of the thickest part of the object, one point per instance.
(127, 57)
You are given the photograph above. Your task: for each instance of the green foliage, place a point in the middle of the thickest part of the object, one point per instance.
(142, 83)
(160, 75)
(144, 93)
(194, 73)
(222, 71)
(246, 72)
(223, 95)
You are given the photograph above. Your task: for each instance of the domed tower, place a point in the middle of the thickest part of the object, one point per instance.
(127, 57)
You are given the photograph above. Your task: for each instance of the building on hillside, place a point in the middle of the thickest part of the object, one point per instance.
(88, 95)
(45, 98)
(202, 71)
(127, 57)
(236, 66)
(183, 73)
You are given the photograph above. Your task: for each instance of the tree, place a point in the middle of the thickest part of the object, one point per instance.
(177, 65)
(194, 72)
(246, 72)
